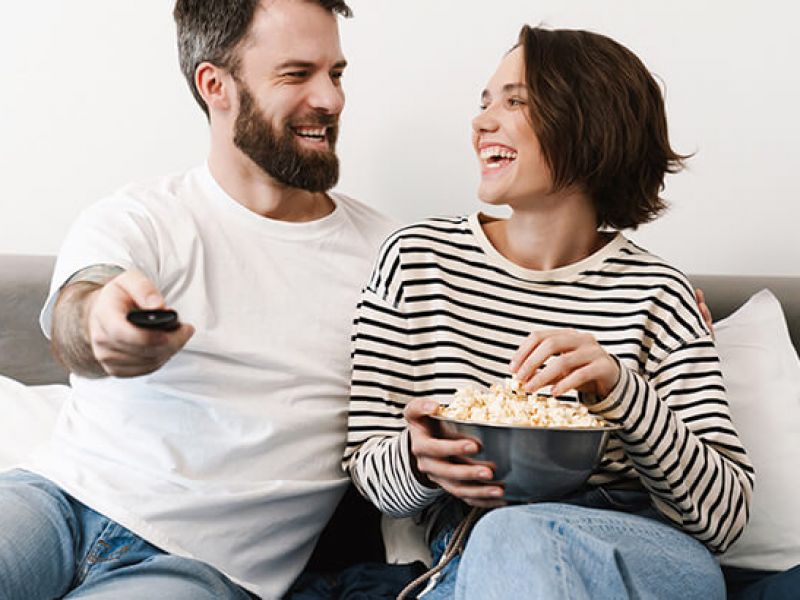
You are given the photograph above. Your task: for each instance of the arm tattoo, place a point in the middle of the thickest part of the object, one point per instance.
(70, 336)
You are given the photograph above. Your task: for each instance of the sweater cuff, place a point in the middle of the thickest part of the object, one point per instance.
(617, 404)
(422, 494)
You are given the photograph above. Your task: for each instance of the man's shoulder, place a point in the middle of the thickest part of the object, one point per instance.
(162, 188)
(364, 216)
(154, 196)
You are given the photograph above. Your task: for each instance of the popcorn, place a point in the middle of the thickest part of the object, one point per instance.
(507, 403)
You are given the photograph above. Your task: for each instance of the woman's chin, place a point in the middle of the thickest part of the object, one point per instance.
(490, 196)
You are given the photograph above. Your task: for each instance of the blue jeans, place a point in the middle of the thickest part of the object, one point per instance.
(749, 584)
(52, 546)
(600, 544)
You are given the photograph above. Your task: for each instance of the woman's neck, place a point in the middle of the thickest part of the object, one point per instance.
(555, 231)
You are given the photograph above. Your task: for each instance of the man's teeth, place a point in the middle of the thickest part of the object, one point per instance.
(496, 153)
(316, 133)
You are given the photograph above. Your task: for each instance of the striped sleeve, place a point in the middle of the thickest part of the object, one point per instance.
(677, 432)
(378, 452)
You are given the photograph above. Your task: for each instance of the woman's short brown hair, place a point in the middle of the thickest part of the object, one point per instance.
(599, 116)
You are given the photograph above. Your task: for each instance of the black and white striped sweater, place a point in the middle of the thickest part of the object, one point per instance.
(444, 310)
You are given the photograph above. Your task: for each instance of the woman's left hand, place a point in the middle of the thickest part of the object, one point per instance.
(575, 360)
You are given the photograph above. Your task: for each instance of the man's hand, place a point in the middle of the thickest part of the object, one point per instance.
(575, 360)
(704, 310)
(93, 337)
(432, 460)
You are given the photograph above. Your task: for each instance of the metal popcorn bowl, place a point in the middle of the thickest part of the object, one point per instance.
(534, 464)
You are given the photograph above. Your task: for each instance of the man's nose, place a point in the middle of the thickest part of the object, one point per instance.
(327, 96)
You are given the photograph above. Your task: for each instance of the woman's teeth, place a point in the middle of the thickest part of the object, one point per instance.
(496, 156)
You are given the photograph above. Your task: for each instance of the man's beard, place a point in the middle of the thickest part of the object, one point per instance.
(277, 152)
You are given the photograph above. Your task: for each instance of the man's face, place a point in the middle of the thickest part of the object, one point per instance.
(290, 94)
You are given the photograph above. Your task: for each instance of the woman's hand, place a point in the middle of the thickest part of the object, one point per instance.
(575, 360)
(445, 462)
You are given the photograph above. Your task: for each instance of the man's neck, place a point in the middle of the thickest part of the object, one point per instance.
(248, 185)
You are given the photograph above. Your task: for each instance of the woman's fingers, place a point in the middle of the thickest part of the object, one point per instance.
(565, 359)
(446, 462)
(472, 492)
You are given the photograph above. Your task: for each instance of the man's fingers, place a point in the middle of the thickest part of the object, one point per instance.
(704, 310)
(139, 289)
(180, 336)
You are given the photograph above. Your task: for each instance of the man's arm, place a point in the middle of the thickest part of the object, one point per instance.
(700, 297)
(70, 336)
(91, 334)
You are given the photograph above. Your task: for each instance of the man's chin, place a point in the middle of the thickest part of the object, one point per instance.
(326, 154)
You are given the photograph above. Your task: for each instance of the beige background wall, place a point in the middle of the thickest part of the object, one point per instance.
(92, 98)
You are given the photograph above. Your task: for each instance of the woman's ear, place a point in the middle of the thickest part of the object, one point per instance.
(214, 85)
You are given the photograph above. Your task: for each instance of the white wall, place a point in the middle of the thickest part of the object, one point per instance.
(92, 97)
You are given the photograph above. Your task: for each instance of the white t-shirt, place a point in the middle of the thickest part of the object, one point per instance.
(231, 452)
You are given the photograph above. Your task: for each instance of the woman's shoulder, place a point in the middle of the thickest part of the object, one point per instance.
(429, 232)
(636, 261)
(657, 278)
(435, 227)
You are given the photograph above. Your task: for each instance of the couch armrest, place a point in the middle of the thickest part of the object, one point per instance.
(24, 351)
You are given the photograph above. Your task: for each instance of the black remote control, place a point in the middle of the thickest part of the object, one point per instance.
(163, 319)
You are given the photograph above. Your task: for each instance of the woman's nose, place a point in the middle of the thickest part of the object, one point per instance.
(484, 121)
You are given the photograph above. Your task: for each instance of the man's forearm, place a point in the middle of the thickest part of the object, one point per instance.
(70, 336)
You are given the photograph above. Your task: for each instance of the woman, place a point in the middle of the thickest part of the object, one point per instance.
(571, 136)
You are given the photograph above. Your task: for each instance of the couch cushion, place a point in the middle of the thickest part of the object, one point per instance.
(762, 377)
(24, 351)
(726, 293)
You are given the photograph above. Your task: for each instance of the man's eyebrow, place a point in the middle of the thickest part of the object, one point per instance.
(304, 64)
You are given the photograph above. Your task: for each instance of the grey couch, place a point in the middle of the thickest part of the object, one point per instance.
(25, 356)
(24, 281)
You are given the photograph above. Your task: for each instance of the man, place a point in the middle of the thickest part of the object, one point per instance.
(203, 462)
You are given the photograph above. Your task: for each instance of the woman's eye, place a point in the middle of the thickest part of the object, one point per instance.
(516, 102)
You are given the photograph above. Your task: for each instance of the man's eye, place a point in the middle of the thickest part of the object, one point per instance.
(296, 74)
(483, 106)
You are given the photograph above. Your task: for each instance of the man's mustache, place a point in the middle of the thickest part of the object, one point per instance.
(316, 120)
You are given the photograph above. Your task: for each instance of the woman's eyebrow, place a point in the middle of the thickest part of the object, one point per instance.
(507, 89)
(513, 87)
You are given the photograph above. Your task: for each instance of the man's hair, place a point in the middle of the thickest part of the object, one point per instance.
(599, 116)
(213, 30)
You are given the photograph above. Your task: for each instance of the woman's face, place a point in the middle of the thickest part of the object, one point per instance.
(513, 170)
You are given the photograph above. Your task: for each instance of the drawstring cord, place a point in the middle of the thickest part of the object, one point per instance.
(454, 547)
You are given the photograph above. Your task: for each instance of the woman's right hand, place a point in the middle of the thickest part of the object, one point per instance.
(433, 465)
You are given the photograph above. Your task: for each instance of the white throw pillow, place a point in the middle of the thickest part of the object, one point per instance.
(27, 416)
(762, 377)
